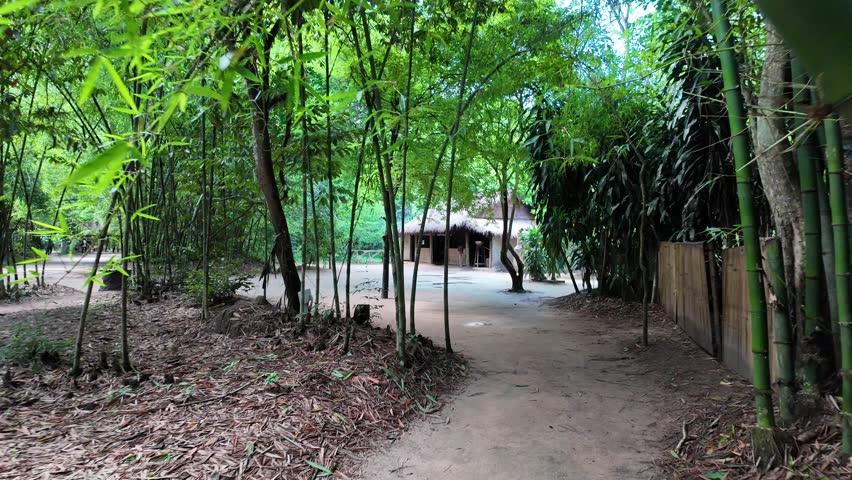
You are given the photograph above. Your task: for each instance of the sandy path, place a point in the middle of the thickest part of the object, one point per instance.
(553, 396)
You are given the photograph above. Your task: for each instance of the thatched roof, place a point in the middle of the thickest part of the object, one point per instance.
(436, 223)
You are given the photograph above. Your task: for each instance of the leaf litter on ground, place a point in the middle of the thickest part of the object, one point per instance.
(257, 403)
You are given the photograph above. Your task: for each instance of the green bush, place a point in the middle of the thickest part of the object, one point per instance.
(538, 263)
(222, 288)
(29, 346)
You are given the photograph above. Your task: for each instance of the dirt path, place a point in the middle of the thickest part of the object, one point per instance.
(553, 395)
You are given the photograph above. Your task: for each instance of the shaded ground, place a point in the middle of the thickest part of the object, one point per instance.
(210, 406)
(561, 389)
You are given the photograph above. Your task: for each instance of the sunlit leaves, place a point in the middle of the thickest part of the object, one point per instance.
(40, 257)
(121, 87)
(108, 162)
(16, 5)
(141, 213)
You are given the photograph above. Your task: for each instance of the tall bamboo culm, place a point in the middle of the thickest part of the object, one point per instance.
(782, 332)
(763, 438)
(806, 156)
(839, 222)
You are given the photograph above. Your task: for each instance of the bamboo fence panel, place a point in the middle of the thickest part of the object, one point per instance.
(684, 292)
(736, 314)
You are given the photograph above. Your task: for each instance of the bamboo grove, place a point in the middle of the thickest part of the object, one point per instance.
(185, 140)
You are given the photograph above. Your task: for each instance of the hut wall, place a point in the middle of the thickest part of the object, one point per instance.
(406, 248)
(496, 241)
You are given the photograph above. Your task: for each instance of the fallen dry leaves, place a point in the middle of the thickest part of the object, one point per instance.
(203, 405)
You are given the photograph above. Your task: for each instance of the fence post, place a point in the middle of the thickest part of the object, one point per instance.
(715, 304)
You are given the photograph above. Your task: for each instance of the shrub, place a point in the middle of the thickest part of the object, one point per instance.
(221, 289)
(29, 346)
(539, 264)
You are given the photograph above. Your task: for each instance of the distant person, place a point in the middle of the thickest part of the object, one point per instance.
(49, 248)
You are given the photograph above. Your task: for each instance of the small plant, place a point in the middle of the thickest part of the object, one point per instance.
(222, 286)
(231, 366)
(29, 346)
(270, 378)
(187, 389)
(118, 393)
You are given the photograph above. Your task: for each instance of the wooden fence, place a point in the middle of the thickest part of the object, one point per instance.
(684, 291)
(736, 313)
(686, 280)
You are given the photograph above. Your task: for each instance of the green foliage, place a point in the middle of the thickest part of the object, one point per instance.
(222, 287)
(538, 262)
(29, 346)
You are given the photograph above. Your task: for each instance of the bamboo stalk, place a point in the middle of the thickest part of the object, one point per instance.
(740, 147)
(782, 332)
(839, 221)
(810, 208)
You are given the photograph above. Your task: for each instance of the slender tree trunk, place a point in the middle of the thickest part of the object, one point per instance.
(462, 86)
(81, 326)
(642, 255)
(506, 240)
(827, 257)
(316, 240)
(266, 180)
(306, 165)
(782, 332)
(806, 156)
(840, 222)
(779, 175)
(385, 260)
(205, 216)
(125, 252)
(763, 439)
(406, 144)
(330, 175)
(352, 219)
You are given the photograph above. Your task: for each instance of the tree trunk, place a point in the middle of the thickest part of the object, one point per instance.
(506, 249)
(385, 260)
(778, 172)
(266, 181)
(330, 175)
(84, 312)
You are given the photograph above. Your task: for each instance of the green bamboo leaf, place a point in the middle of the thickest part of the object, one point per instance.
(245, 73)
(202, 92)
(63, 224)
(41, 256)
(324, 472)
(91, 79)
(122, 88)
(15, 5)
(170, 110)
(95, 280)
(49, 227)
(307, 57)
(106, 161)
(141, 213)
(80, 52)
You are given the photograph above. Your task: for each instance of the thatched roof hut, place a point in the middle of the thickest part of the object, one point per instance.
(474, 239)
(436, 223)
